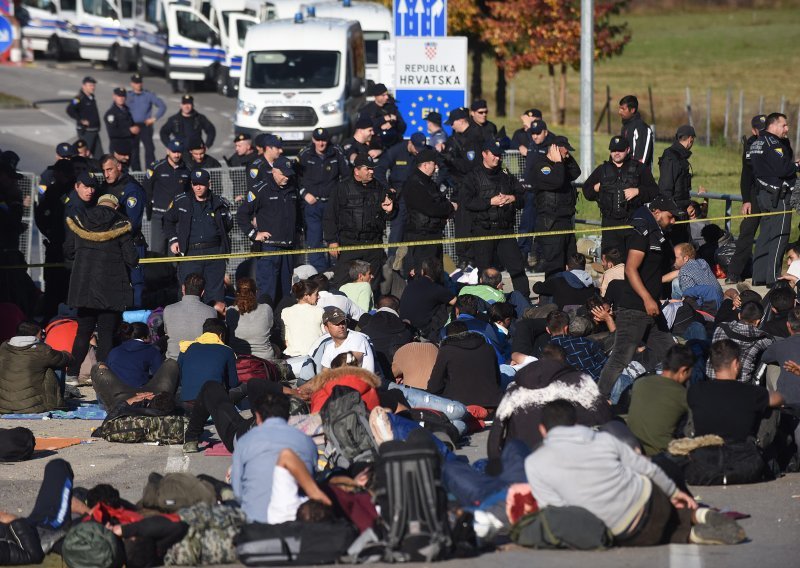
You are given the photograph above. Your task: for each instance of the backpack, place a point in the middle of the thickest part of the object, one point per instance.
(155, 323)
(60, 334)
(136, 429)
(16, 444)
(345, 421)
(437, 424)
(212, 530)
(295, 542)
(561, 527)
(252, 367)
(175, 491)
(91, 545)
(412, 500)
(729, 464)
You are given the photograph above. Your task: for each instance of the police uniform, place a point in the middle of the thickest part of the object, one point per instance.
(119, 121)
(775, 172)
(615, 209)
(186, 128)
(319, 175)
(675, 181)
(163, 183)
(274, 210)
(555, 199)
(239, 161)
(351, 146)
(132, 201)
(84, 107)
(480, 186)
(379, 115)
(201, 228)
(527, 221)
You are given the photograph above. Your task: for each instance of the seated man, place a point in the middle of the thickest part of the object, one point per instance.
(425, 302)
(466, 368)
(184, 320)
(386, 331)
(339, 339)
(729, 406)
(468, 311)
(335, 298)
(570, 288)
(613, 261)
(489, 287)
(782, 352)
(658, 402)
(693, 277)
(359, 289)
(782, 300)
(413, 362)
(206, 359)
(640, 505)
(28, 381)
(751, 340)
(258, 452)
(582, 353)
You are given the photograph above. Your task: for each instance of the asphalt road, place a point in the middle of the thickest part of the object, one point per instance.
(34, 133)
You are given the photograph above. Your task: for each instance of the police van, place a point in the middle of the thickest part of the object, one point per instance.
(375, 20)
(178, 39)
(47, 27)
(300, 74)
(266, 10)
(102, 36)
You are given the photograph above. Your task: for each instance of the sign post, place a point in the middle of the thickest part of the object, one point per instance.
(430, 75)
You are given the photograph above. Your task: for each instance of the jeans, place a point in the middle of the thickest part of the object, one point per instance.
(111, 390)
(418, 398)
(507, 375)
(633, 327)
(526, 224)
(106, 322)
(677, 293)
(274, 274)
(313, 215)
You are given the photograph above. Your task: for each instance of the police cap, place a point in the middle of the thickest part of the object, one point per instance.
(175, 145)
(87, 179)
(685, 131)
(136, 78)
(363, 123)
(434, 117)
(187, 99)
(66, 150)
(377, 89)
(242, 136)
(427, 155)
(533, 113)
(321, 134)
(538, 127)
(418, 140)
(120, 92)
(363, 160)
(563, 141)
(478, 105)
(618, 144)
(493, 146)
(759, 122)
(285, 166)
(272, 140)
(201, 177)
(456, 114)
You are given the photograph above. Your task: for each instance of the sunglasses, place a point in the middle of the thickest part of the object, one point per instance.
(482, 112)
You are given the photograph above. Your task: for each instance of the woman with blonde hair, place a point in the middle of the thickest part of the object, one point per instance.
(249, 322)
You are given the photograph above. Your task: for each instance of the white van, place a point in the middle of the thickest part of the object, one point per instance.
(101, 33)
(47, 27)
(375, 20)
(266, 10)
(232, 22)
(301, 74)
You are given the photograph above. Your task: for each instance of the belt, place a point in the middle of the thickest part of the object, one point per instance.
(87, 129)
(323, 199)
(157, 210)
(769, 185)
(201, 246)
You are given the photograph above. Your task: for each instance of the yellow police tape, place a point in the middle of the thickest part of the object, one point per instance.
(593, 229)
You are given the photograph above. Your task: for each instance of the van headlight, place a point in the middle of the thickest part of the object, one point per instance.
(245, 109)
(331, 108)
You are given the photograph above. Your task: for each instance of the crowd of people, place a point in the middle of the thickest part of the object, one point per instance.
(610, 385)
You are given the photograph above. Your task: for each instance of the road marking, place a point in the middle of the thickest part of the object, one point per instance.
(685, 556)
(60, 119)
(66, 93)
(177, 461)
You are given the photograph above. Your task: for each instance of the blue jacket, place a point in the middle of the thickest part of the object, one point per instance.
(141, 104)
(134, 362)
(203, 362)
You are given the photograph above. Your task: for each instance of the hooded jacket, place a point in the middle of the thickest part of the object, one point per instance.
(102, 254)
(520, 412)
(356, 378)
(466, 370)
(27, 382)
(134, 362)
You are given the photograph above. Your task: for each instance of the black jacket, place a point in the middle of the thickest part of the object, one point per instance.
(163, 183)
(398, 163)
(84, 107)
(102, 254)
(428, 209)
(466, 370)
(551, 183)
(675, 174)
(613, 181)
(274, 209)
(178, 221)
(378, 116)
(480, 186)
(354, 214)
(118, 123)
(773, 163)
(388, 333)
(185, 128)
(19, 544)
(462, 152)
(640, 139)
(209, 163)
(320, 174)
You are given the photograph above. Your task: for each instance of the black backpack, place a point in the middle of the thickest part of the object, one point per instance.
(295, 542)
(16, 444)
(412, 500)
(345, 422)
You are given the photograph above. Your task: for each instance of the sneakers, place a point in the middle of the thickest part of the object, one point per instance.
(191, 447)
(72, 381)
(71, 391)
(380, 425)
(717, 529)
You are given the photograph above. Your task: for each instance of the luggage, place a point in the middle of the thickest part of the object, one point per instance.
(345, 421)
(729, 464)
(252, 367)
(561, 527)
(175, 491)
(295, 542)
(412, 500)
(437, 424)
(16, 444)
(91, 545)
(165, 430)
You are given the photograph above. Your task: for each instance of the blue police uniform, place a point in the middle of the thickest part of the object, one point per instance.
(163, 183)
(141, 106)
(319, 175)
(84, 107)
(201, 228)
(258, 171)
(274, 209)
(132, 201)
(118, 124)
(528, 219)
(398, 162)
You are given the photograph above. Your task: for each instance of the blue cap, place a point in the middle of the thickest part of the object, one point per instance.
(66, 150)
(175, 145)
(494, 146)
(85, 178)
(201, 177)
(418, 140)
(272, 140)
(285, 166)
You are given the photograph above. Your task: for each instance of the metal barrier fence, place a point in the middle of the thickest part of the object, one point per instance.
(231, 183)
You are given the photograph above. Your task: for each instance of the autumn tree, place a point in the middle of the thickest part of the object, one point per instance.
(527, 33)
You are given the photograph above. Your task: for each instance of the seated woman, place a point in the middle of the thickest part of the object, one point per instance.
(249, 322)
(303, 321)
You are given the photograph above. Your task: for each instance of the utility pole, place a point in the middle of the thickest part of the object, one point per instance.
(587, 87)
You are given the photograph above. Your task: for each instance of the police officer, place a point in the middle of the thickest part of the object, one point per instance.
(200, 157)
(538, 142)
(132, 200)
(394, 167)
(188, 124)
(84, 160)
(322, 165)
(359, 142)
(387, 122)
(675, 177)
(357, 213)
(494, 196)
(775, 170)
(64, 151)
(244, 151)
(269, 217)
(270, 148)
(747, 230)
(521, 139)
(164, 181)
(636, 131)
(428, 209)
(478, 114)
(620, 185)
(119, 124)
(142, 104)
(461, 154)
(437, 137)
(197, 223)
(83, 110)
(551, 180)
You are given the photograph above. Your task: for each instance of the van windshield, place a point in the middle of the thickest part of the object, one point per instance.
(292, 69)
(371, 43)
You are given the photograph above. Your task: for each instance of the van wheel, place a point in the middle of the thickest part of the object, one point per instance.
(123, 60)
(54, 49)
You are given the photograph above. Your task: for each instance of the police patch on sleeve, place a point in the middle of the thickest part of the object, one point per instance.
(42, 188)
(131, 202)
(149, 173)
(110, 118)
(546, 170)
(779, 151)
(251, 196)
(470, 155)
(75, 101)
(253, 172)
